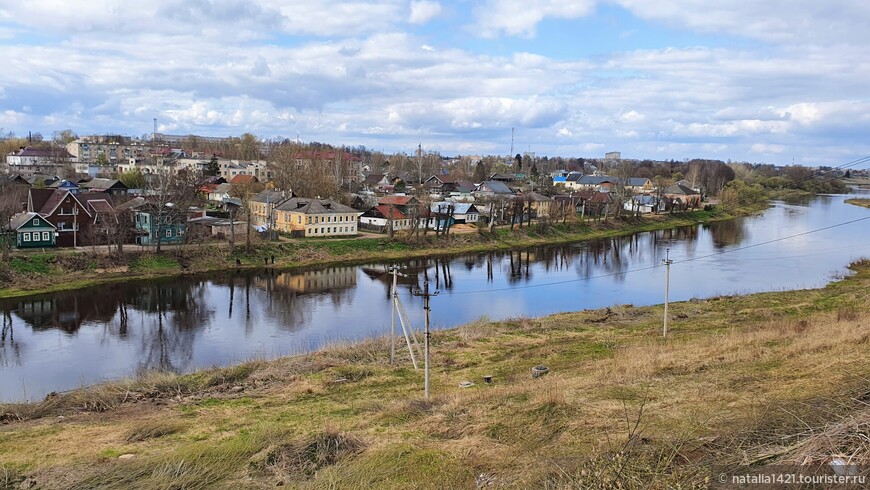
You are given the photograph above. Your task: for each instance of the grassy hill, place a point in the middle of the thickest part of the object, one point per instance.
(742, 381)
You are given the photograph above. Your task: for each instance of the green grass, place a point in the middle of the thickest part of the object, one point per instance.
(33, 264)
(154, 263)
(348, 247)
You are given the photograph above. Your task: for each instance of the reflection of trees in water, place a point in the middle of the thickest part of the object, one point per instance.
(176, 312)
(727, 233)
(66, 311)
(443, 275)
(10, 350)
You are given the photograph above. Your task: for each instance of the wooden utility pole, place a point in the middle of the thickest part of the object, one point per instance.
(667, 261)
(426, 295)
(393, 317)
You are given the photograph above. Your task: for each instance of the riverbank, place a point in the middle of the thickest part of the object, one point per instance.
(864, 203)
(770, 378)
(58, 271)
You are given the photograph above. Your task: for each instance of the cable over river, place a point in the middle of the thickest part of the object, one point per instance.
(61, 341)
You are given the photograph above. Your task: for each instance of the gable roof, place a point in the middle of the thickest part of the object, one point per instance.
(37, 198)
(385, 212)
(373, 179)
(222, 189)
(44, 152)
(443, 179)
(212, 179)
(132, 203)
(534, 197)
(503, 177)
(18, 179)
(681, 189)
(100, 206)
(397, 200)
(495, 186)
(64, 184)
(464, 186)
(53, 200)
(458, 207)
(272, 197)
(102, 184)
(20, 219)
(99, 202)
(244, 179)
(594, 180)
(307, 205)
(638, 181)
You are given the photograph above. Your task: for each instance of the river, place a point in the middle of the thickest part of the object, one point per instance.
(61, 341)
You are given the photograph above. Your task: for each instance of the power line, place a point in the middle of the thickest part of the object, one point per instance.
(612, 274)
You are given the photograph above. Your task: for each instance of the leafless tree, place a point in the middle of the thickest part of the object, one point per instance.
(13, 199)
(245, 191)
(172, 193)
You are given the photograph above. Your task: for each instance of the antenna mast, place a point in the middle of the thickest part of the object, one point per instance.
(512, 143)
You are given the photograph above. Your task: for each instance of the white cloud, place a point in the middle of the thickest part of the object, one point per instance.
(357, 73)
(520, 17)
(423, 11)
(795, 21)
(767, 148)
(632, 117)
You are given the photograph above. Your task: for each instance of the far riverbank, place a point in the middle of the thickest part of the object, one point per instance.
(64, 270)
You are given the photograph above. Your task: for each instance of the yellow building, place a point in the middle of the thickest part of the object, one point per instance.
(262, 206)
(309, 217)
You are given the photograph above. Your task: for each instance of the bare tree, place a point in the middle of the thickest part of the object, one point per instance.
(13, 199)
(172, 195)
(245, 191)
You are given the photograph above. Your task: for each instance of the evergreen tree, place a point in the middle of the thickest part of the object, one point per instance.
(479, 173)
(213, 169)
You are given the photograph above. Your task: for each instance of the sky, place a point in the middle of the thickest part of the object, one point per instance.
(775, 81)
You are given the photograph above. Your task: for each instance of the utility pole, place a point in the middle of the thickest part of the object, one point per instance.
(426, 295)
(393, 294)
(667, 261)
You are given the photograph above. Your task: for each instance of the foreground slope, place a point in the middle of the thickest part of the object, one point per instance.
(742, 380)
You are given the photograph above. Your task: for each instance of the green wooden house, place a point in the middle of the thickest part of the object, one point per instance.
(150, 223)
(33, 231)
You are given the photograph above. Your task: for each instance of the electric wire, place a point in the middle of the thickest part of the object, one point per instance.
(656, 266)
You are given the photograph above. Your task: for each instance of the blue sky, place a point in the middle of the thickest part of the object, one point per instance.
(775, 81)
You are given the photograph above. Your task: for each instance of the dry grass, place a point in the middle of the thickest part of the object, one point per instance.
(859, 202)
(302, 459)
(152, 429)
(768, 378)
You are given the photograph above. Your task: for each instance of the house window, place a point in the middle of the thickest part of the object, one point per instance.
(168, 233)
(299, 220)
(36, 222)
(45, 236)
(25, 237)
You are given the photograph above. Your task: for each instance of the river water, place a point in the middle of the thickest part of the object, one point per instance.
(61, 341)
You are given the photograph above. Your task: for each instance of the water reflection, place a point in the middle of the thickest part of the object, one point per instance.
(58, 341)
